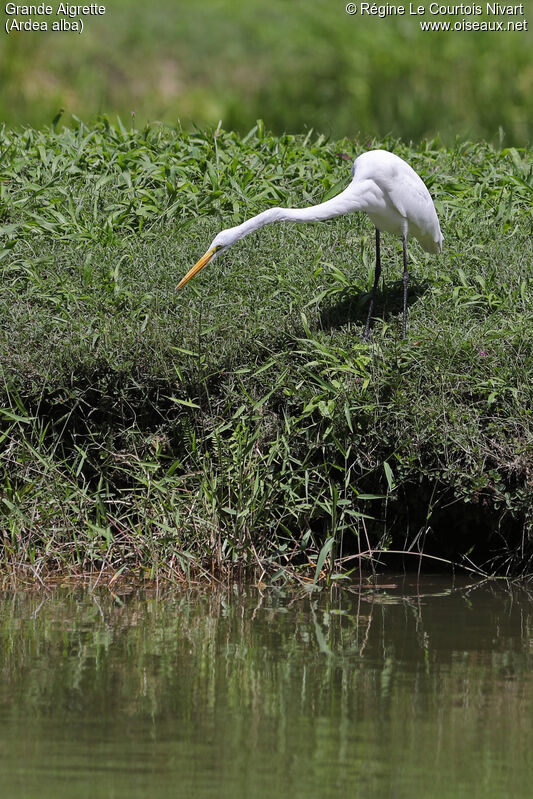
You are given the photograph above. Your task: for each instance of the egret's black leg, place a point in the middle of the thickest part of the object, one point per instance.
(405, 284)
(377, 275)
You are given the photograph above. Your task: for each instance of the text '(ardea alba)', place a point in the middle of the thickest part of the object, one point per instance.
(386, 187)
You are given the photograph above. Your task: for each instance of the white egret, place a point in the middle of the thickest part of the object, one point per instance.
(386, 187)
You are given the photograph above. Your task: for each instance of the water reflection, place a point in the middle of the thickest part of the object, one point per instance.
(396, 692)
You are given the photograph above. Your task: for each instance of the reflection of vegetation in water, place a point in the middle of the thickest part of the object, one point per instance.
(374, 687)
(297, 65)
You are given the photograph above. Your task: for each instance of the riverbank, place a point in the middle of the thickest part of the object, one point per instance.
(242, 423)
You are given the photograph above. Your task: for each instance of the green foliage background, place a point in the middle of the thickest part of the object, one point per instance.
(296, 65)
(243, 420)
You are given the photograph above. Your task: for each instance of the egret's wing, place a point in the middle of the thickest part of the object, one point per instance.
(393, 186)
(409, 195)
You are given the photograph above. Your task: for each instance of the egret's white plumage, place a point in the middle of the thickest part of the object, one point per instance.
(385, 186)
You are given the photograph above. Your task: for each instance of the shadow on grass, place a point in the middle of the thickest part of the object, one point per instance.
(352, 306)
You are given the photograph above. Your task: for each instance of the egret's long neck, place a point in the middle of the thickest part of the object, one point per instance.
(343, 203)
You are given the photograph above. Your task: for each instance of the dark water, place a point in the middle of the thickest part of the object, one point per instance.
(406, 691)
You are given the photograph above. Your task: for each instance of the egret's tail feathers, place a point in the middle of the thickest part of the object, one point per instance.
(432, 245)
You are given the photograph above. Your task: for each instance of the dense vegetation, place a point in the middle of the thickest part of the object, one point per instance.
(296, 65)
(243, 420)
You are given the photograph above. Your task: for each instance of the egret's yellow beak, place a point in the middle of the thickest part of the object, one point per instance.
(204, 260)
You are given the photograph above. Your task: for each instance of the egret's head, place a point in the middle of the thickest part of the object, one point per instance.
(220, 243)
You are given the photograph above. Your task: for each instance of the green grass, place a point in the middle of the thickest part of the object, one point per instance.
(296, 65)
(243, 422)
